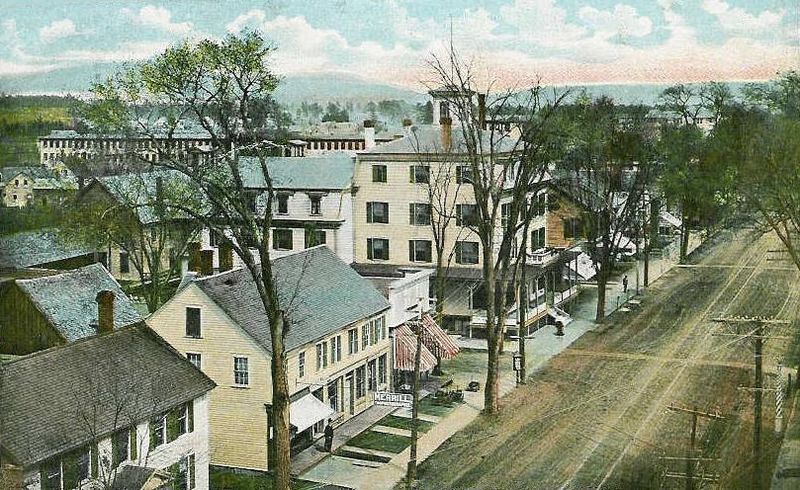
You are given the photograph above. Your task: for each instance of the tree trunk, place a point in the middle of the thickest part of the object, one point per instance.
(602, 279)
(646, 272)
(684, 250)
(493, 338)
(280, 408)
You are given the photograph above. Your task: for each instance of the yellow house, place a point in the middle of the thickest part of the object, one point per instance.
(337, 341)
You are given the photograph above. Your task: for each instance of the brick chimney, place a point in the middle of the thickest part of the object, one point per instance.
(225, 257)
(207, 262)
(105, 311)
(447, 133)
(194, 256)
(369, 134)
(482, 110)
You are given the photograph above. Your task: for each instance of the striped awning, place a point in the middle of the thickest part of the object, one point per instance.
(436, 340)
(406, 348)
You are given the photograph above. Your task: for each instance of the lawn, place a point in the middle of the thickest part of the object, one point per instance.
(404, 423)
(222, 480)
(380, 442)
(427, 407)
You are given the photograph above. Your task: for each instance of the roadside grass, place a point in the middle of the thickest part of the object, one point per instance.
(380, 442)
(405, 423)
(223, 480)
(437, 409)
(364, 457)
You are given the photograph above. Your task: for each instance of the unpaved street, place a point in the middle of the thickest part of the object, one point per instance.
(596, 416)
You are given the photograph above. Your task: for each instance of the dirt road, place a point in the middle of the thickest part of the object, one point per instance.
(597, 416)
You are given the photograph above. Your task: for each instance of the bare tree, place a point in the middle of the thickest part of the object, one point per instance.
(504, 167)
(219, 86)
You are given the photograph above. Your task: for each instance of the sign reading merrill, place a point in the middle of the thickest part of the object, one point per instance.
(393, 399)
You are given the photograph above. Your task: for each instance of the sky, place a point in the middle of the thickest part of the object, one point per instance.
(59, 45)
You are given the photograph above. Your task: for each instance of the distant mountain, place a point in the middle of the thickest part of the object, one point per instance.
(324, 87)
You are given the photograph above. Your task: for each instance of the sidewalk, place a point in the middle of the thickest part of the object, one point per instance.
(315, 453)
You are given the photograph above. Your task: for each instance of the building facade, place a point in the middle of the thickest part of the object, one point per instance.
(338, 350)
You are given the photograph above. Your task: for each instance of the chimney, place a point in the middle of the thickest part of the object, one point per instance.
(482, 110)
(207, 262)
(105, 311)
(225, 257)
(447, 133)
(369, 134)
(194, 256)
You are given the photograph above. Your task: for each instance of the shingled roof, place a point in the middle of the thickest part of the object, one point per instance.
(46, 398)
(428, 140)
(32, 248)
(68, 300)
(332, 171)
(320, 293)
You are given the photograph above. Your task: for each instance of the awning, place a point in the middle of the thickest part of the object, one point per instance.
(307, 411)
(436, 340)
(406, 348)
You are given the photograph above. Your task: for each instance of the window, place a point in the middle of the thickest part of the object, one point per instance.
(124, 263)
(466, 214)
(419, 214)
(283, 203)
(315, 237)
(336, 349)
(301, 365)
(377, 249)
(76, 467)
(282, 239)
(195, 359)
(360, 375)
(158, 431)
(537, 238)
(419, 174)
(572, 227)
(16, 182)
(352, 341)
(119, 447)
(322, 355)
(505, 214)
(193, 322)
(333, 395)
(371, 376)
(466, 252)
(214, 239)
(181, 422)
(382, 327)
(419, 250)
(241, 374)
(382, 369)
(182, 474)
(373, 332)
(364, 335)
(377, 212)
(463, 174)
(540, 206)
(379, 173)
(51, 474)
(316, 204)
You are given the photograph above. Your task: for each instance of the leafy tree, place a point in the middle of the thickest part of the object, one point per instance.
(424, 112)
(217, 85)
(335, 113)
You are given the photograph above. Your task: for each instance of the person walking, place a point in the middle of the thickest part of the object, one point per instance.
(625, 284)
(328, 436)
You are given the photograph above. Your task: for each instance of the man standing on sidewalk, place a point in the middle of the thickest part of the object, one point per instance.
(328, 437)
(625, 284)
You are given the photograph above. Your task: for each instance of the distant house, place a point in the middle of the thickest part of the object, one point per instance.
(22, 186)
(43, 249)
(43, 312)
(121, 410)
(345, 137)
(337, 344)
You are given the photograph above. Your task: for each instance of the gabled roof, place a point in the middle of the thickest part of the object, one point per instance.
(8, 173)
(68, 300)
(58, 399)
(332, 171)
(428, 140)
(32, 248)
(320, 294)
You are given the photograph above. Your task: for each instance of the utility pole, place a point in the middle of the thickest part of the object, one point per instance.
(690, 458)
(411, 473)
(758, 336)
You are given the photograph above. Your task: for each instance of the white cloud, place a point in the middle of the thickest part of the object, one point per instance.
(9, 69)
(737, 19)
(253, 18)
(622, 22)
(59, 29)
(541, 22)
(159, 18)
